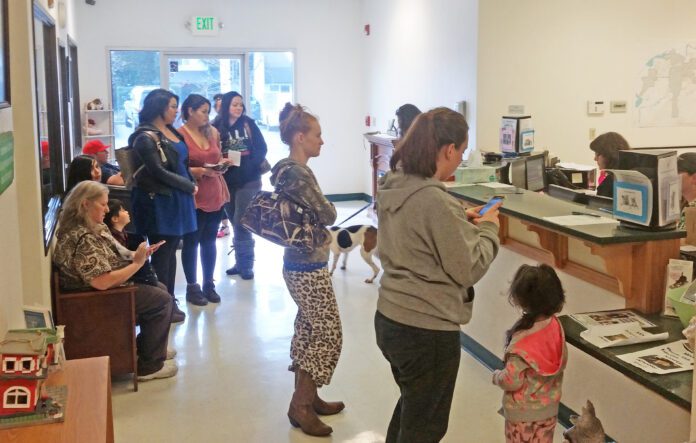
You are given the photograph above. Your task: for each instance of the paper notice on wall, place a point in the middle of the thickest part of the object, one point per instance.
(632, 196)
(677, 356)
(669, 190)
(620, 335)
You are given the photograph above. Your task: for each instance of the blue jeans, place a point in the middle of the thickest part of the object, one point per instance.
(239, 201)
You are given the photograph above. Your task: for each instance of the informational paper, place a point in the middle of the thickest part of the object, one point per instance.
(576, 166)
(235, 157)
(633, 196)
(600, 318)
(673, 357)
(496, 185)
(669, 190)
(457, 184)
(580, 220)
(621, 334)
(689, 294)
(679, 276)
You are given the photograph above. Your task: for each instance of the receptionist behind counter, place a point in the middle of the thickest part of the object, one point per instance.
(606, 148)
(686, 166)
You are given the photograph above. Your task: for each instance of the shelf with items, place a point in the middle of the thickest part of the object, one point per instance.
(98, 124)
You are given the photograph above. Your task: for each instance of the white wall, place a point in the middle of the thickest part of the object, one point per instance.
(552, 56)
(421, 52)
(326, 37)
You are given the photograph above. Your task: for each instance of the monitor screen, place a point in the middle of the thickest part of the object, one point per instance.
(518, 173)
(568, 194)
(535, 172)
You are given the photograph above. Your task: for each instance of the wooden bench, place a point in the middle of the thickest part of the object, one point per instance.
(98, 323)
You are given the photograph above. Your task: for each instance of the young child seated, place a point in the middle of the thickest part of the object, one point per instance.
(535, 357)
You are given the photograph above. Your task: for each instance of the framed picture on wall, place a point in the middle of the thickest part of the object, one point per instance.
(37, 317)
(4, 56)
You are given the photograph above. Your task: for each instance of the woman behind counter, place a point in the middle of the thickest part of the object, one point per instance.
(87, 256)
(162, 195)
(606, 148)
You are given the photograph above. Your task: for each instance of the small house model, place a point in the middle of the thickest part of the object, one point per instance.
(24, 359)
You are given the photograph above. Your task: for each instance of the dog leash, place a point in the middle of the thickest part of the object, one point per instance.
(356, 213)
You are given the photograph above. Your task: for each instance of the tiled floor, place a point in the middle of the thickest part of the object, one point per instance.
(233, 384)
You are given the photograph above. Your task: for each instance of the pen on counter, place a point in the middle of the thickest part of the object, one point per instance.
(586, 213)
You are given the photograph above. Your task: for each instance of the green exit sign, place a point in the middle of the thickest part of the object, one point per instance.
(204, 25)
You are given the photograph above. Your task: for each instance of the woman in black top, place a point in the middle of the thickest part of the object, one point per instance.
(240, 133)
(606, 148)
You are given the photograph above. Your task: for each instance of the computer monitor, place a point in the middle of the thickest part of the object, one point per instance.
(568, 194)
(518, 173)
(536, 168)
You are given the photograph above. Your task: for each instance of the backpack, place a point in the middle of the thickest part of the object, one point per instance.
(276, 217)
(126, 160)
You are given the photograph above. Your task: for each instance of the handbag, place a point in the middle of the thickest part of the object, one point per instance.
(126, 159)
(276, 217)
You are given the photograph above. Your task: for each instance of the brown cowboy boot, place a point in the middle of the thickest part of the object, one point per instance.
(301, 413)
(322, 407)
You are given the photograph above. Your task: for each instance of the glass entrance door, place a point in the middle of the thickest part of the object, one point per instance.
(206, 75)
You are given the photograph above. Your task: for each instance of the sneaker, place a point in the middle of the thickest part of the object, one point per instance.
(210, 294)
(171, 353)
(224, 231)
(169, 369)
(194, 295)
(177, 314)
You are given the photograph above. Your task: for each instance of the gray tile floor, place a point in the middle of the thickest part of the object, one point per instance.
(233, 384)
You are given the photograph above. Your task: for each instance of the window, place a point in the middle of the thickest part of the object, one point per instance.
(27, 364)
(17, 397)
(9, 364)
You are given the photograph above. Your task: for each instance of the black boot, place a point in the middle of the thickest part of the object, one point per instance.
(209, 292)
(194, 295)
(244, 256)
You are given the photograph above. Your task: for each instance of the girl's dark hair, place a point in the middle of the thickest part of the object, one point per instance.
(223, 118)
(608, 146)
(405, 115)
(195, 101)
(538, 291)
(417, 152)
(294, 119)
(80, 169)
(156, 104)
(115, 206)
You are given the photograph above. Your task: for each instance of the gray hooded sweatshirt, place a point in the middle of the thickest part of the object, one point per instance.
(430, 253)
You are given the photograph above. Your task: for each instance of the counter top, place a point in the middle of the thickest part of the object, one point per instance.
(674, 387)
(532, 207)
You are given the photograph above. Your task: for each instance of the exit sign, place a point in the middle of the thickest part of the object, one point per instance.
(204, 25)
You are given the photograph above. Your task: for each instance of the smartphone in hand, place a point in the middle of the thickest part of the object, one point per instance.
(492, 202)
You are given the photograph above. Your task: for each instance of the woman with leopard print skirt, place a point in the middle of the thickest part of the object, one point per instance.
(316, 344)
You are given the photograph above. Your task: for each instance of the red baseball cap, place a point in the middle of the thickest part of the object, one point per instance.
(94, 146)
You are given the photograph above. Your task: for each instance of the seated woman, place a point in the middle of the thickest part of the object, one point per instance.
(686, 166)
(606, 148)
(88, 256)
(82, 167)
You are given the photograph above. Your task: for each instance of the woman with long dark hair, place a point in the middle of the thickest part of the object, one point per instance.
(241, 137)
(163, 190)
(82, 167)
(203, 143)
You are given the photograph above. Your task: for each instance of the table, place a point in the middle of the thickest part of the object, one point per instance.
(88, 415)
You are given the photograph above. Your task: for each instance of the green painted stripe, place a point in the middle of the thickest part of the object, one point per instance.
(492, 362)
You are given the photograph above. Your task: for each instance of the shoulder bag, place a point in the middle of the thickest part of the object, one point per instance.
(126, 159)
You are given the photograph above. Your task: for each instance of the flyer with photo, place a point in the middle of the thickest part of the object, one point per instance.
(620, 335)
(601, 318)
(679, 275)
(673, 357)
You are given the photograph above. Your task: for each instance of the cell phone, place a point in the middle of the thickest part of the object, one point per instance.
(492, 202)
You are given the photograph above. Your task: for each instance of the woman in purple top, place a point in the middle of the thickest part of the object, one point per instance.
(203, 143)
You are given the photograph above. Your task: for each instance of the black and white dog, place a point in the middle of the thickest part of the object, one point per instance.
(344, 240)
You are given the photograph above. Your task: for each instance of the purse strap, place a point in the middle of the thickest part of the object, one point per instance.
(155, 138)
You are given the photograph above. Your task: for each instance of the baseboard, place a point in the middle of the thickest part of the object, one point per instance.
(492, 362)
(348, 197)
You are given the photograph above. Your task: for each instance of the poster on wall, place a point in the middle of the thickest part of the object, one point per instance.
(6, 160)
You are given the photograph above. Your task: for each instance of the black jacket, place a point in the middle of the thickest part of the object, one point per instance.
(249, 134)
(606, 188)
(158, 176)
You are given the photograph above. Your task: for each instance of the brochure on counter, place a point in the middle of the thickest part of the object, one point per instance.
(621, 334)
(603, 318)
(672, 357)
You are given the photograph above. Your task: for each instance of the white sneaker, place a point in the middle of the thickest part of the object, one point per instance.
(171, 353)
(168, 370)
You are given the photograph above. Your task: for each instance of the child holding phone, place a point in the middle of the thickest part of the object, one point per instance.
(535, 356)
(433, 251)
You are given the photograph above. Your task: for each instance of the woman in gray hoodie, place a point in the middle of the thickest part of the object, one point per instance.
(432, 251)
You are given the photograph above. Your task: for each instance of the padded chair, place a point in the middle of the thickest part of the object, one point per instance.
(98, 323)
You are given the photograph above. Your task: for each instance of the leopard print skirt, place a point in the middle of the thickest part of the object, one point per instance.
(316, 344)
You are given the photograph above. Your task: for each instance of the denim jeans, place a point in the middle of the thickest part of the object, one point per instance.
(424, 364)
(239, 201)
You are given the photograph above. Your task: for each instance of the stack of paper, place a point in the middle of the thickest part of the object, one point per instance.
(622, 334)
